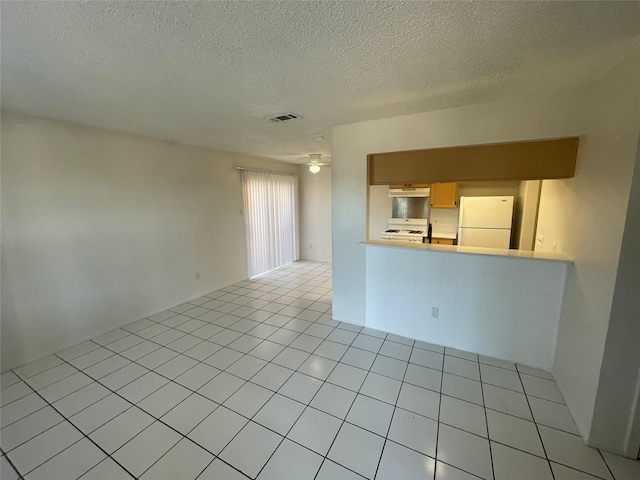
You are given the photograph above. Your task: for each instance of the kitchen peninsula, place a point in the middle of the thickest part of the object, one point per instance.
(500, 303)
(503, 303)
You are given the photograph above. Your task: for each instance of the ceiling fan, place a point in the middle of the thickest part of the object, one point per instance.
(315, 162)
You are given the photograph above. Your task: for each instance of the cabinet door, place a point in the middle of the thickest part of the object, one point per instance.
(444, 195)
(442, 241)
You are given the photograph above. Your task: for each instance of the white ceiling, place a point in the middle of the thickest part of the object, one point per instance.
(209, 73)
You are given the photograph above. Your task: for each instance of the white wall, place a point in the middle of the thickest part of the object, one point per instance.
(380, 210)
(605, 117)
(619, 384)
(100, 228)
(526, 214)
(444, 220)
(589, 229)
(315, 213)
(501, 307)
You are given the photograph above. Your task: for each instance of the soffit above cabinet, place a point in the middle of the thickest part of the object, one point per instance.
(526, 160)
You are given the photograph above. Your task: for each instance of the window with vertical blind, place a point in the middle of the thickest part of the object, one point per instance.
(271, 220)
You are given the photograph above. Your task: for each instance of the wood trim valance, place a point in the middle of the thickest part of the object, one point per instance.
(525, 160)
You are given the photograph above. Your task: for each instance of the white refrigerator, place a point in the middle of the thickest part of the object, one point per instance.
(485, 221)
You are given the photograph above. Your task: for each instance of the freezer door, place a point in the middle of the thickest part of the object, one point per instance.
(484, 237)
(486, 212)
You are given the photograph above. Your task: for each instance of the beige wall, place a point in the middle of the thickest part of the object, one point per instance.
(575, 209)
(100, 228)
(315, 214)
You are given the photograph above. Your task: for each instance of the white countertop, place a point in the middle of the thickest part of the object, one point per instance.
(496, 252)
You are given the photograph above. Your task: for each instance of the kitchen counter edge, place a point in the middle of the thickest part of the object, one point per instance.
(494, 252)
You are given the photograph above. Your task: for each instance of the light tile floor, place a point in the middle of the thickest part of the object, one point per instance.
(256, 380)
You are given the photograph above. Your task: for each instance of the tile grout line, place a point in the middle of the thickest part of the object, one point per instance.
(300, 372)
(607, 464)
(195, 392)
(549, 461)
(83, 435)
(306, 406)
(435, 465)
(227, 367)
(544, 448)
(486, 418)
(344, 420)
(4, 454)
(395, 406)
(272, 395)
(156, 418)
(283, 284)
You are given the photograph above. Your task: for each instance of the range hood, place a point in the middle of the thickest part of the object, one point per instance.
(409, 192)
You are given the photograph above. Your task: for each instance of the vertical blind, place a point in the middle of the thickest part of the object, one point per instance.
(271, 220)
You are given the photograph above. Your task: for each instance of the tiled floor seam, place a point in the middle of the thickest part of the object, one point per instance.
(84, 436)
(195, 392)
(297, 293)
(395, 406)
(170, 380)
(435, 454)
(114, 392)
(132, 404)
(544, 448)
(486, 419)
(325, 457)
(4, 454)
(157, 419)
(605, 462)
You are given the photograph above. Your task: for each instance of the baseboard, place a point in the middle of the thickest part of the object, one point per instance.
(583, 434)
(338, 319)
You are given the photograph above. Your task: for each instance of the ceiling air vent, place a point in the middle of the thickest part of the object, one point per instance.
(284, 117)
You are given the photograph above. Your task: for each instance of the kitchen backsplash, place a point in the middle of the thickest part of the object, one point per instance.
(444, 220)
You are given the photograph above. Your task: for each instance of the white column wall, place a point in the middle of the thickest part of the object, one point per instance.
(586, 216)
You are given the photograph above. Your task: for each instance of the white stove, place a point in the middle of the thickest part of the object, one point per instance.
(406, 230)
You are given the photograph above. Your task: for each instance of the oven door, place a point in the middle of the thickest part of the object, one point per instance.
(401, 238)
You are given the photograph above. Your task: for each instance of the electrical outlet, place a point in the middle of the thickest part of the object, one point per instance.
(198, 276)
(435, 311)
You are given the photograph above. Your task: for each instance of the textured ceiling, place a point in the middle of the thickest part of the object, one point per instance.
(209, 73)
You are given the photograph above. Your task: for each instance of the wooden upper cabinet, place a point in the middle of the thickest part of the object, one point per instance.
(526, 160)
(444, 195)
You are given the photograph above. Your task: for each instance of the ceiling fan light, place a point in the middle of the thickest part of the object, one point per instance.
(314, 168)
